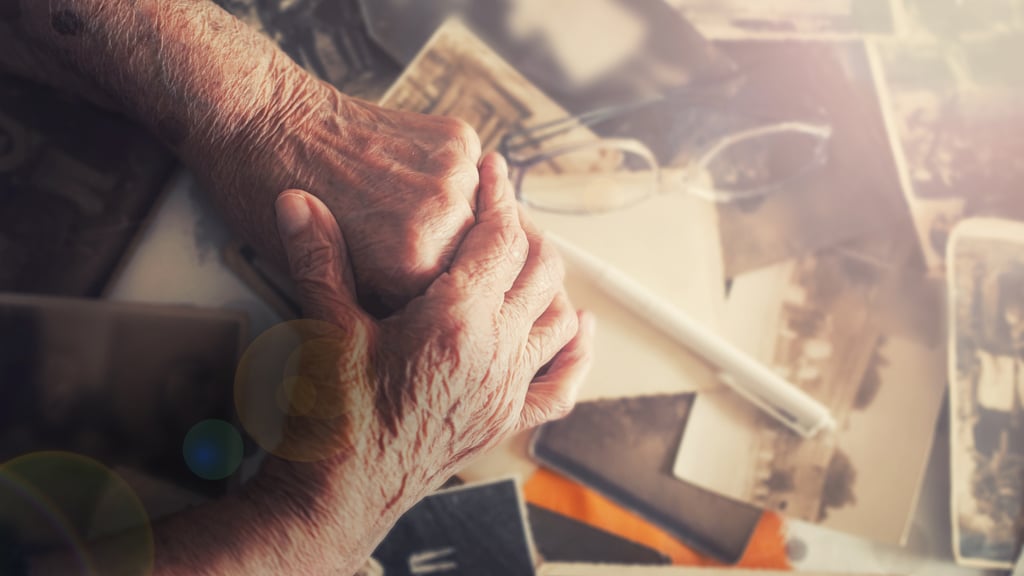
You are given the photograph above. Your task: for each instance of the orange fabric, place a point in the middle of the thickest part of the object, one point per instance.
(767, 548)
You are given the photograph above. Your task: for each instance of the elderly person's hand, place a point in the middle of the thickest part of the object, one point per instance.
(493, 347)
(401, 185)
(250, 122)
(389, 408)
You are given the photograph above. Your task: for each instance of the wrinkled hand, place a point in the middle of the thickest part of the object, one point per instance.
(401, 185)
(493, 347)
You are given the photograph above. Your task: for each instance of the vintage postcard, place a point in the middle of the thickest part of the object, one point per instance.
(858, 335)
(806, 19)
(624, 449)
(457, 74)
(947, 20)
(471, 529)
(836, 191)
(986, 371)
(959, 132)
(329, 39)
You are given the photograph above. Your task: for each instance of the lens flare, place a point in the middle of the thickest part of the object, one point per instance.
(213, 449)
(55, 504)
(301, 389)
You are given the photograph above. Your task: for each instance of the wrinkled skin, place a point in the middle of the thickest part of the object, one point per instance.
(493, 347)
(401, 185)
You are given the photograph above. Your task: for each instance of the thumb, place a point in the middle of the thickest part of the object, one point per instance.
(317, 258)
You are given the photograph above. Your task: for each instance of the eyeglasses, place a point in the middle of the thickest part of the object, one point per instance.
(751, 158)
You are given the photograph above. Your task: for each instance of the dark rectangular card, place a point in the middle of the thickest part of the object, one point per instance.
(120, 383)
(464, 531)
(562, 539)
(625, 448)
(76, 183)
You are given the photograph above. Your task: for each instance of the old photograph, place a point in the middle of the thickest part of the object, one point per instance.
(471, 529)
(960, 131)
(77, 184)
(623, 448)
(826, 323)
(457, 74)
(846, 189)
(329, 39)
(986, 342)
(791, 18)
(121, 383)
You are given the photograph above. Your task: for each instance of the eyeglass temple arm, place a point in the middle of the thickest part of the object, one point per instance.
(821, 131)
(526, 136)
(721, 86)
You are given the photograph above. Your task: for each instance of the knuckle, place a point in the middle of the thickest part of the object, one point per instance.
(550, 260)
(462, 134)
(567, 325)
(513, 241)
(461, 182)
(452, 285)
(561, 406)
(450, 190)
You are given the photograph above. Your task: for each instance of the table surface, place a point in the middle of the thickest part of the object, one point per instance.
(178, 260)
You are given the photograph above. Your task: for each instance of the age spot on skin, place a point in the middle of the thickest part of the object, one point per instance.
(67, 23)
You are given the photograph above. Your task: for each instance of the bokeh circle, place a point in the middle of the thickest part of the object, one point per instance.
(301, 389)
(213, 449)
(61, 502)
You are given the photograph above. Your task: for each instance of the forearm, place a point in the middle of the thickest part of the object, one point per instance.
(267, 528)
(213, 89)
(187, 69)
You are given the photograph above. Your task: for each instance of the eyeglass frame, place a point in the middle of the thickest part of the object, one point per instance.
(715, 90)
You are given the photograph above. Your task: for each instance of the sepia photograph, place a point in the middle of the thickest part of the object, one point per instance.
(833, 19)
(329, 39)
(955, 115)
(846, 188)
(986, 342)
(624, 448)
(457, 74)
(828, 325)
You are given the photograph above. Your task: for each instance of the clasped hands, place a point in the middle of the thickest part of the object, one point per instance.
(484, 343)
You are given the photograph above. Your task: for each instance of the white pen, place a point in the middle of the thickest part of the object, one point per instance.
(742, 373)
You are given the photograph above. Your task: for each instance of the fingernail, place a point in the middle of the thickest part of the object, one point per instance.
(293, 214)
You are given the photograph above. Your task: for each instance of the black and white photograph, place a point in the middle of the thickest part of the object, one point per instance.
(986, 341)
(471, 529)
(624, 448)
(956, 118)
(829, 325)
(808, 19)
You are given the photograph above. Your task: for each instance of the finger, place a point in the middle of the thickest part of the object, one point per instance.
(553, 395)
(317, 257)
(555, 328)
(540, 281)
(495, 248)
